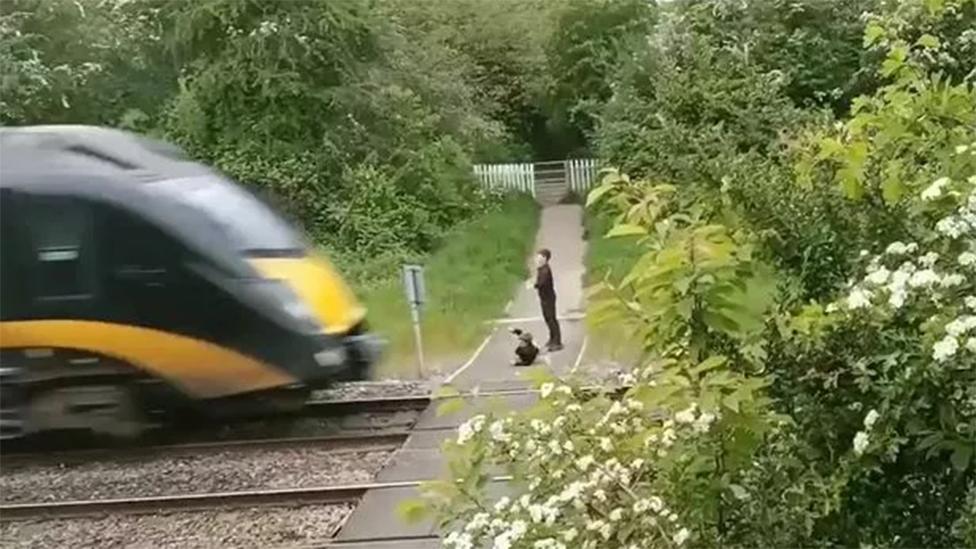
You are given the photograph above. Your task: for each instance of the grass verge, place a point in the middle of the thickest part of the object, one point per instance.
(469, 281)
(613, 256)
(607, 258)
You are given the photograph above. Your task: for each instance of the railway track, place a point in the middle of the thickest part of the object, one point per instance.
(223, 434)
(365, 405)
(193, 502)
(381, 440)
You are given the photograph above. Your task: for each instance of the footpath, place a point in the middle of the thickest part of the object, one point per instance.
(374, 523)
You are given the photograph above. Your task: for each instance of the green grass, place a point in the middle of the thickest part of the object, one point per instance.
(613, 257)
(469, 281)
(607, 255)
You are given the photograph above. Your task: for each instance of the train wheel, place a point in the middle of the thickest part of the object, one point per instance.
(109, 409)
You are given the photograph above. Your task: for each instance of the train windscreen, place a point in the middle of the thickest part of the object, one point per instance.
(249, 222)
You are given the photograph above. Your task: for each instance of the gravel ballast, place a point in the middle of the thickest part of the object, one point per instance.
(223, 471)
(253, 527)
(373, 389)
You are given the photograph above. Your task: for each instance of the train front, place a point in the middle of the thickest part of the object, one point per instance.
(310, 286)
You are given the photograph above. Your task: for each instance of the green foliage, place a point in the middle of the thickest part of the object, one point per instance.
(590, 40)
(694, 289)
(674, 116)
(814, 44)
(87, 62)
(360, 127)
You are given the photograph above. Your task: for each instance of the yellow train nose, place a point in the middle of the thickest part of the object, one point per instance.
(317, 283)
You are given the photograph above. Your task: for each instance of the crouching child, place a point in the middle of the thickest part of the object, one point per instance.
(526, 352)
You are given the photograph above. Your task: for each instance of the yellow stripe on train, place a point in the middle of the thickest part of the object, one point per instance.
(201, 369)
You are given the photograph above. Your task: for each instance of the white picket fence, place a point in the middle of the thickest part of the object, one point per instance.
(507, 177)
(582, 175)
(579, 175)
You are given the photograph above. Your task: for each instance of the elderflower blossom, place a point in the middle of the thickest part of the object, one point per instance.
(861, 441)
(682, 536)
(459, 540)
(870, 419)
(704, 422)
(858, 299)
(546, 389)
(952, 280)
(497, 430)
(878, 277)
(934, 190)
(967, 259)
(952, 227)
(897, 299)
(468, 429)
(929, 259)
(961, 325)
(923, 278)
(971, 344)
(899, 248)
(970, 302)
(945, 349)
(687, 415)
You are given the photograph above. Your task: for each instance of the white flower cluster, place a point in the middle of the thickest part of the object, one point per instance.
(700, 423)
(929, 275)
(468, 429)
(862, 438)
(582, 488)
(265, 28)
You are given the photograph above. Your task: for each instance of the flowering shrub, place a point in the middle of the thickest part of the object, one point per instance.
(751, 422)
(603, 470)
(931, 289)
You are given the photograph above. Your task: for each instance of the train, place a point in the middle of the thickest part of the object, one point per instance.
(137, 285)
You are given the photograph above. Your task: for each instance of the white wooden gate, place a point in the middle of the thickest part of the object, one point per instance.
(582, 175)
(507, 177)
(552, 179)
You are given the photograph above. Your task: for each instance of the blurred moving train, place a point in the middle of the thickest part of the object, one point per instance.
(135, 284)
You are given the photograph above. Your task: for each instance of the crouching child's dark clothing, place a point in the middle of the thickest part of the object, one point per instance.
(526, 352)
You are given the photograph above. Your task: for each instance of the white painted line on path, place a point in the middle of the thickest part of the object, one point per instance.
(579, 357)
(470, 361)
(570, 317)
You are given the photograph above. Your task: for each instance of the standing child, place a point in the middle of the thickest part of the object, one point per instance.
(547, 298)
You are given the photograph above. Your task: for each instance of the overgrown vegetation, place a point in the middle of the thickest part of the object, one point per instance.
(362, 119)
(793, 194)
(804, 295)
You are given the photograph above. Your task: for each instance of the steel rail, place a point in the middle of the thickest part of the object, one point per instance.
(342, 443)
(184, 502)
(318, 495)
(366, 405)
